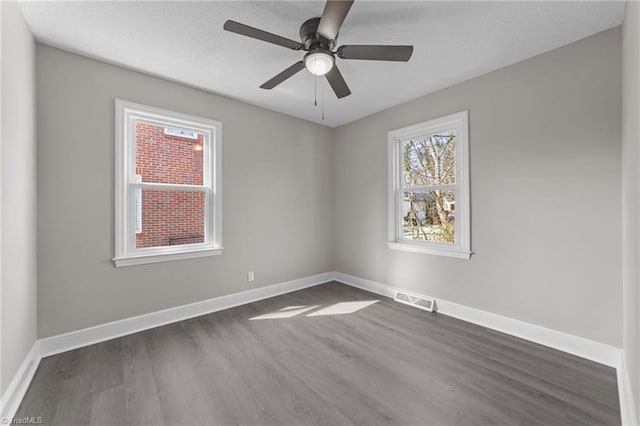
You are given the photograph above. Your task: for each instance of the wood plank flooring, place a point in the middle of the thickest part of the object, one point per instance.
(385, 364)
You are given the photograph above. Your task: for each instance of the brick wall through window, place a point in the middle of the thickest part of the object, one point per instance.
(169, 217)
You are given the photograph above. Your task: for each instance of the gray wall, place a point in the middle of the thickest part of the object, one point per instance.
(545, 139)
(18, 275)
(546, 197)
(631, 194)
(277, 201)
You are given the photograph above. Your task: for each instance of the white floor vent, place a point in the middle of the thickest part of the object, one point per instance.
(416, 301)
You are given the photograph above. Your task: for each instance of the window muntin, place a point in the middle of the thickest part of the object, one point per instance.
(168, 185)
(428, 187)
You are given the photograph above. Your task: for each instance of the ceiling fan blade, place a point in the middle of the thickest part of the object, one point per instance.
(375, 52)
(332, 18)
(337, 83)
(289, 72)
(245, 30)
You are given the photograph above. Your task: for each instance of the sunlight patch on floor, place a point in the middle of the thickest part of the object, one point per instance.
(343, 308)
(335, 309)
(288, 308)
(288, 312)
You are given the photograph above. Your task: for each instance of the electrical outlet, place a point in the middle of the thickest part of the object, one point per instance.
(250, 276)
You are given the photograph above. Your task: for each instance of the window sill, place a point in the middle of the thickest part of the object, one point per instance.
(165, 257)
(438, 251)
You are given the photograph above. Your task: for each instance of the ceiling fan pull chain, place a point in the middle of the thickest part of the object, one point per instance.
(322, 100)
(315, 90)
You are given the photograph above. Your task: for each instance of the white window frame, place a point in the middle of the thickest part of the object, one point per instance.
(138, 179)
(126, 184)
(458, 122)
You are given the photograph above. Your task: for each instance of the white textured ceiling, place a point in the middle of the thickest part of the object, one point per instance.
(185, 42)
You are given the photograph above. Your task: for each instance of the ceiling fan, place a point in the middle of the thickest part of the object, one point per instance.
(319, 36)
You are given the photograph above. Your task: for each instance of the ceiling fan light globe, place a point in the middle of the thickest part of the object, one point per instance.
(318, 63)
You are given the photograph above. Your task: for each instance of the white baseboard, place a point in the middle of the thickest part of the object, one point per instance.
(100, 333)
(12, 397)
(585, 348)
(627, 403)
(578, 346)
(65, 342)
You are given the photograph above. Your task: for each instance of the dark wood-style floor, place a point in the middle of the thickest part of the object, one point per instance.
(386, 363)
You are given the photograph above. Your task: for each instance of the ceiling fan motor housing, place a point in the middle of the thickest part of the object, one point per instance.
(310, 37)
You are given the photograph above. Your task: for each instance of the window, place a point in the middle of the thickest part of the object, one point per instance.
(429, 187)
(168, 185)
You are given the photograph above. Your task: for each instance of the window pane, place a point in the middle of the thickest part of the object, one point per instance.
(429, 216)
(429, 160)
(171, 218)
(169, 155)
